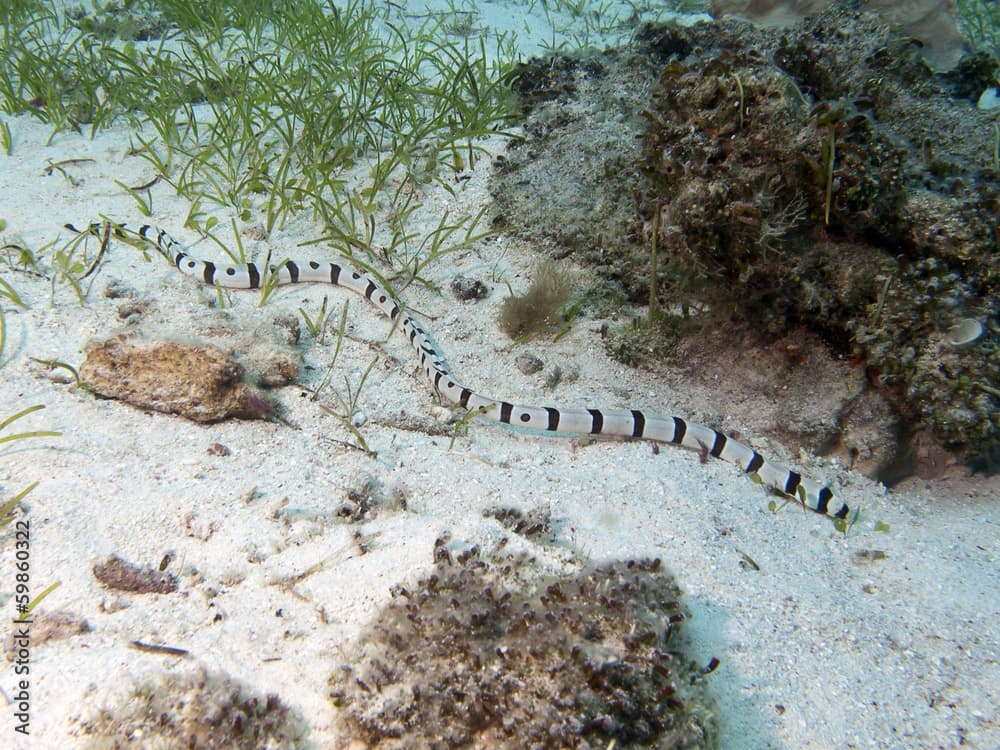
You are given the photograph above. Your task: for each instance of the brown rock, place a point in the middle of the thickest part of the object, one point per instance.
(197, 382)
(121, 575)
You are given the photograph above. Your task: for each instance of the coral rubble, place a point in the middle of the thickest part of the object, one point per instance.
(495, 654)
(193, 709)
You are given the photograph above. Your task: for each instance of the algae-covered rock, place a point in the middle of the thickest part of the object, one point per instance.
(497, 654)
(120, 575)
(200, 383)
(822, 176)
(193, 709)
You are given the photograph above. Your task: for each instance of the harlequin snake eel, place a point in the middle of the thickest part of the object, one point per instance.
(619, 423)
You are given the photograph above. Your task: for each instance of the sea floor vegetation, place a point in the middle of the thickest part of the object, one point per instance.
(762, 180)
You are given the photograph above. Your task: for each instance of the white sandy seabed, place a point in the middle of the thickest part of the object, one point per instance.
(825, 645)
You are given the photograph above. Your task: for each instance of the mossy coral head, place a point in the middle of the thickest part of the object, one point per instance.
(194, 710)
(497, 654)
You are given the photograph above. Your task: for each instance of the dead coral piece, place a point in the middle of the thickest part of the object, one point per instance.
(496, 655)
(195, 710)
(120, 575)
(197, 382)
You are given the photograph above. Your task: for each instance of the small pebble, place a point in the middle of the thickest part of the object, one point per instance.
(132, 308)
(118, 290)
(467, 289)
(529, 364)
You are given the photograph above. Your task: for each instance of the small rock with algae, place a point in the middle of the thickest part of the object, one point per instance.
(121, 575)
(198, 382)
(196, 709)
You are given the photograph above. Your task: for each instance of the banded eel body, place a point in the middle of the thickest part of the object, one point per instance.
(621, 423)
